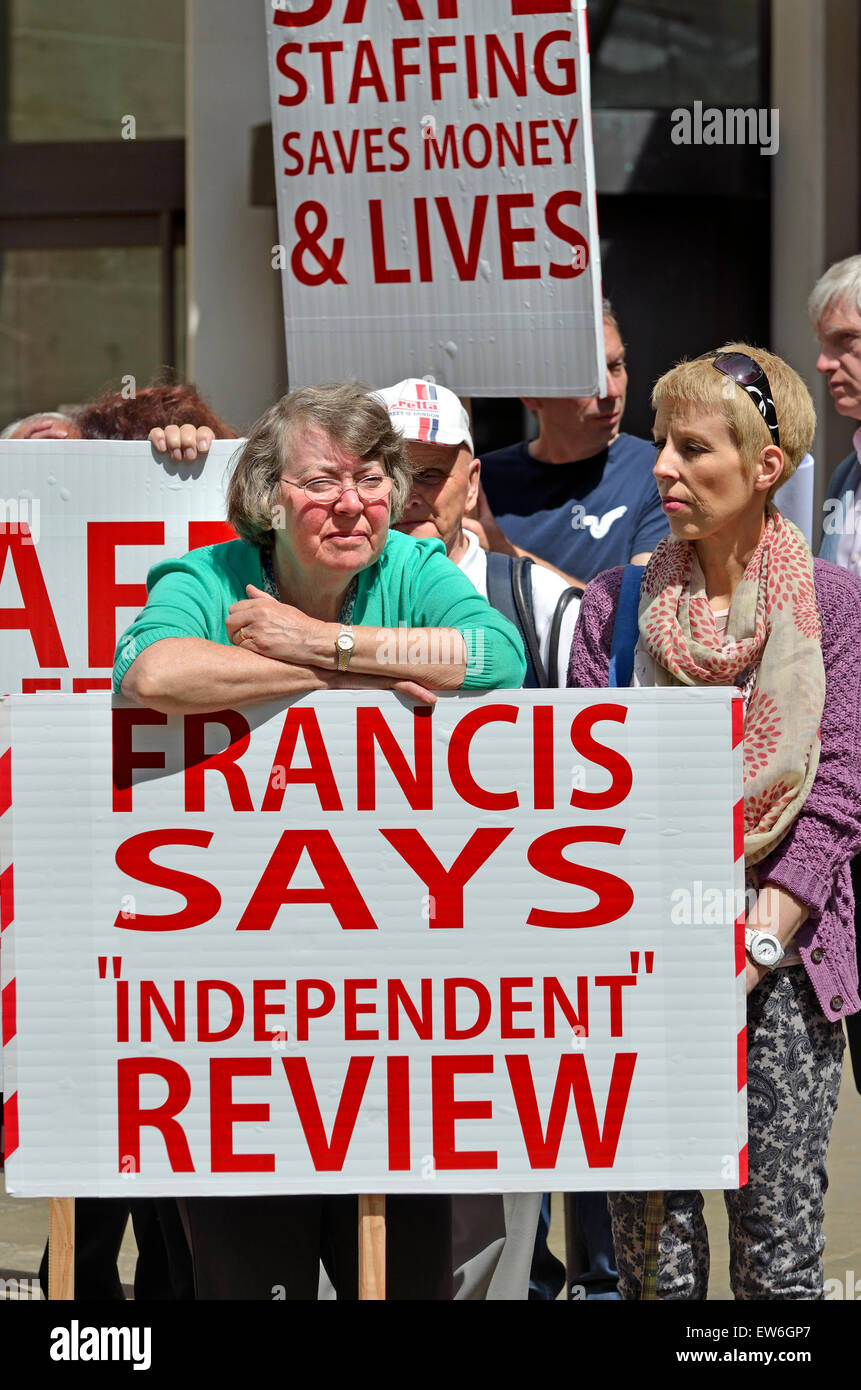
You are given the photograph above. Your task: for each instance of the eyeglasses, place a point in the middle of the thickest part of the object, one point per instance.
(750, 377)
(371, 488)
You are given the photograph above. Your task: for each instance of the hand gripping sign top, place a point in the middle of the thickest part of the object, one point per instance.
(436, 193)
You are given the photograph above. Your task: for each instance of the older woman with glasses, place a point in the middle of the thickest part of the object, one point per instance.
(318, 586)
(734, 596)
(318, 593)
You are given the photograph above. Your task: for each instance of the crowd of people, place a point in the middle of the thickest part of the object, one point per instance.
(388, 519)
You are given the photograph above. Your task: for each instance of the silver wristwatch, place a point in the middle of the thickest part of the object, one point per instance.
(763, 948)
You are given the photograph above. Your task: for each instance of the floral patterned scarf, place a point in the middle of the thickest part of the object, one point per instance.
(773, 627)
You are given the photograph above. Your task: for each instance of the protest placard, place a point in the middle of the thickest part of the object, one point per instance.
(81, 522)
(436, 194)
(346, 945)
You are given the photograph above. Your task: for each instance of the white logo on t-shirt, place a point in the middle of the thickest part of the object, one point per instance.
(596, 526)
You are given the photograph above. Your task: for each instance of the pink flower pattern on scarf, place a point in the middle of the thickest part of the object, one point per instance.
(773, 628)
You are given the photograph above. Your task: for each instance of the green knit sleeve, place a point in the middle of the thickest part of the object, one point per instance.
(186, 599)
(444, 597)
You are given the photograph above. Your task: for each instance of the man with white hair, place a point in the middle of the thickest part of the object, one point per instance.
(46, 424)
(835, 312)
(446, 480)
(834, 307)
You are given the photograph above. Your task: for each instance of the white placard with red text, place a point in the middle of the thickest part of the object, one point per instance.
(81, 523)
(344, 946)
(436, 193)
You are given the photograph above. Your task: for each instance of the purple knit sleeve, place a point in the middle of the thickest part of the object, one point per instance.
(828, 830)
(590, 651)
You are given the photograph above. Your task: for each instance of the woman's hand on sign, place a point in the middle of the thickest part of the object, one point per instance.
(182, 441)
(261, 624)
(354, 680)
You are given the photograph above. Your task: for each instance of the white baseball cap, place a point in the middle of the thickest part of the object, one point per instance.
(425, 412)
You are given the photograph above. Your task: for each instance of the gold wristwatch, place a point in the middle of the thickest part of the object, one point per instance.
(345, 645)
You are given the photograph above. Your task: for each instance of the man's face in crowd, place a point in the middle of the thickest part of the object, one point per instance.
(839, 332)
(596, 418)
(445, 487)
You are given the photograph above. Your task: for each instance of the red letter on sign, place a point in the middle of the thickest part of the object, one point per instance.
(237, 1010)
(519, 7)
(125, 760)
(614, 894)
(447, 1111)
(328, 1156)
(295, 19)
(225, 1113)
(355, 11)
(202, 899)
(445, 886)
(566, 270)
(197, 763)
(600, 1145)
(201, 533)
(320, 772)
(466, 264)
(338, 889)
(371, 729)
(36, 615)
(104, 594)
(458, 757)
(131, 1119)
(509, 235)
(618, 767)
(480, 993)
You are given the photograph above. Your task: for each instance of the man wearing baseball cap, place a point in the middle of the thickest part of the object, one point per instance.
(446, 478)
(493, 1235)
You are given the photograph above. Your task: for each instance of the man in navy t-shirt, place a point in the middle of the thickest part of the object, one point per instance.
(581, 495)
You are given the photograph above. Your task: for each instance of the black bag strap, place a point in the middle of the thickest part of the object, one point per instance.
(509, 591)
(556, 626)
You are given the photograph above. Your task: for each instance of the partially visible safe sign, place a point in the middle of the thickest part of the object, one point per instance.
(436, 193)
(80, 525)
(345, 945)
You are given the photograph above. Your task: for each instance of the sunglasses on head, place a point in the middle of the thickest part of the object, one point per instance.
(749, 375)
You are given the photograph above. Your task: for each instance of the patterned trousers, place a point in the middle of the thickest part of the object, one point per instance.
(794, 1064)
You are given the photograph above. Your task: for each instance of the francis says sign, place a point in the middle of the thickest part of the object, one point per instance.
(436, 193)
(348, 945)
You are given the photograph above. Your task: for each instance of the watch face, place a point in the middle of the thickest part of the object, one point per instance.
(767, 950)
(345, 642)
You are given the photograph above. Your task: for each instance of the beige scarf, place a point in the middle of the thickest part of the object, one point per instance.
(773, 625)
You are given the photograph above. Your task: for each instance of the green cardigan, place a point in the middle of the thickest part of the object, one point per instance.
(412, 584)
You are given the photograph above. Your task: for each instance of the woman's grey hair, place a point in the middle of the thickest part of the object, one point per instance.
(841, 282)
(354, 420)
(12, 429)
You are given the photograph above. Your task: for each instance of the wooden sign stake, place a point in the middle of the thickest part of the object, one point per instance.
(61, 1237)
(372, 1247)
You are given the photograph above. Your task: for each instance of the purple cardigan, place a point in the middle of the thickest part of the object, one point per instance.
(812, 860)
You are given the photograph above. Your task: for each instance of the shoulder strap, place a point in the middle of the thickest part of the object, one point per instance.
(556, 628)
(509, 590)
(625, 628)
